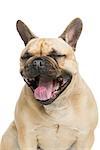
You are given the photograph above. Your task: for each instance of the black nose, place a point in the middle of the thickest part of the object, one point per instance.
(39, 63)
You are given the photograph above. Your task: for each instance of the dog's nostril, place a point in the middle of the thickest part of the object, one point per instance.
(38, 63)
(34, 63)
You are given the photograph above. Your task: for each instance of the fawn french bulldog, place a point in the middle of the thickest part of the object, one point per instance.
(56, 109)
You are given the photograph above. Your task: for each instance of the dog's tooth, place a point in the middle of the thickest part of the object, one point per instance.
(31, 79)
(60, 79)
(27, 80)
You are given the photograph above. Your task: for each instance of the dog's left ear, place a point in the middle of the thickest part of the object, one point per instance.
(72, 32)
(24, 32)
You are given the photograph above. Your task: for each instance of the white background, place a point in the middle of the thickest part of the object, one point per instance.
(46, 18)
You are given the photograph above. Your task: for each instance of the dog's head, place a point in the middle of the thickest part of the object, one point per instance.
(48, 66)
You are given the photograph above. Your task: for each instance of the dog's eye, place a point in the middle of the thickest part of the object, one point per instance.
(56, 55)
(26, 56)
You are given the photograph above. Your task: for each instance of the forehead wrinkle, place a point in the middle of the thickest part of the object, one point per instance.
(41, 48)
(35, 47)
(45, 45)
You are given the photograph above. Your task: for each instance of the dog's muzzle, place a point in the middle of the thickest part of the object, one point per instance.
(46, 79)
(42, 66)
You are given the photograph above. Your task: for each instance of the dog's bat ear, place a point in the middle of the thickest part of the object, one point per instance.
(72, 32)
(24, 32)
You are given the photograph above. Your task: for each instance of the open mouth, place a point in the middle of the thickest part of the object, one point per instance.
(47, 90)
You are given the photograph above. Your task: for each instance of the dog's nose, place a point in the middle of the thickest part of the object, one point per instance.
(38, 63)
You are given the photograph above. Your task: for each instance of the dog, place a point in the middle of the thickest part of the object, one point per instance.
(56, 109)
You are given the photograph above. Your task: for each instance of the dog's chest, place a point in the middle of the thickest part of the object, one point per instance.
(55, 137)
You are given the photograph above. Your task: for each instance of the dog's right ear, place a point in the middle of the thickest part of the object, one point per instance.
(24, 32)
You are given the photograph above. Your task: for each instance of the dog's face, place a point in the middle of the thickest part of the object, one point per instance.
(48, 66)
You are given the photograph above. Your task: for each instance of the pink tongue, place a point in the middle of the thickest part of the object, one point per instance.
(44, 90)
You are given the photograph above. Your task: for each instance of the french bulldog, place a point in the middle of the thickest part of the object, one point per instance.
(56, 109)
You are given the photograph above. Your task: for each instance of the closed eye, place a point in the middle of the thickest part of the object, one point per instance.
(26, 56)
(56, 55)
